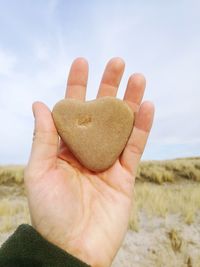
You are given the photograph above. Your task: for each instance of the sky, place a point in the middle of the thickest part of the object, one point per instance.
(161, 39)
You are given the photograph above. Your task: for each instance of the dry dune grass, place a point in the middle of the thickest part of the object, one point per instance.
(162, 187)
(169, 170)
(161, 200)
(11, 174)
(13, 213)
(164, 190)
(13, 202)
(167, 187)
(153, 171)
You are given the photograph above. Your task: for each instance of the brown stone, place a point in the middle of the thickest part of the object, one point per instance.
(95, 131)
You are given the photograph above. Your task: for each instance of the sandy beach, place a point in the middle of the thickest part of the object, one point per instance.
(164, 228)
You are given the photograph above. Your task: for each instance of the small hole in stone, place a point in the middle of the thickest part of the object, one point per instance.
(84, 121)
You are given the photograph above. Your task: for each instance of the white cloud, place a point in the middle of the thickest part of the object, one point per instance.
(7, 62)
(165, 51)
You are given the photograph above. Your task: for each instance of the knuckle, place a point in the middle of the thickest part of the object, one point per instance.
(135, 149)
(45, 138)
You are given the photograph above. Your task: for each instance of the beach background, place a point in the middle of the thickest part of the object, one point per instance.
(161, 39)
(164, 227)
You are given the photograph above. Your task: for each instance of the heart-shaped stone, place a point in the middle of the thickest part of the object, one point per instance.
(95, 131)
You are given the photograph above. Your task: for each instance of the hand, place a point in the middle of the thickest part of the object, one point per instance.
(83, 212)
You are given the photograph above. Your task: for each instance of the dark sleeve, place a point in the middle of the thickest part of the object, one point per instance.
(27, 248)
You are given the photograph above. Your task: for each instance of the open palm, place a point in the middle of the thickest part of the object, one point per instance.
(83, 212)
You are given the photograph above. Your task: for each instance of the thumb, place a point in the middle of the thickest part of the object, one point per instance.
(45, 140)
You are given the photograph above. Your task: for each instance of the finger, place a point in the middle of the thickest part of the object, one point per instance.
(45, 140)
(77, 79)
(111, 78)
(137, 141)
(76, 84)
(135, 91)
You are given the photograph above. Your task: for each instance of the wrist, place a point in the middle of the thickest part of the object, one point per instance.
(92, 258)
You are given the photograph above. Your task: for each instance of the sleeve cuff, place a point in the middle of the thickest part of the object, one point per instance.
(26, 247)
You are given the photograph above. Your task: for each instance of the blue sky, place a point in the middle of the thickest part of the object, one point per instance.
(161, 39)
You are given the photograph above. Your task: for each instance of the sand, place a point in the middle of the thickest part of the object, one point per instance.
(159, 242)
(152, 246)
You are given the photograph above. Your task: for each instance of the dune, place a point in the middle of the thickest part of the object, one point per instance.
(164, 228)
